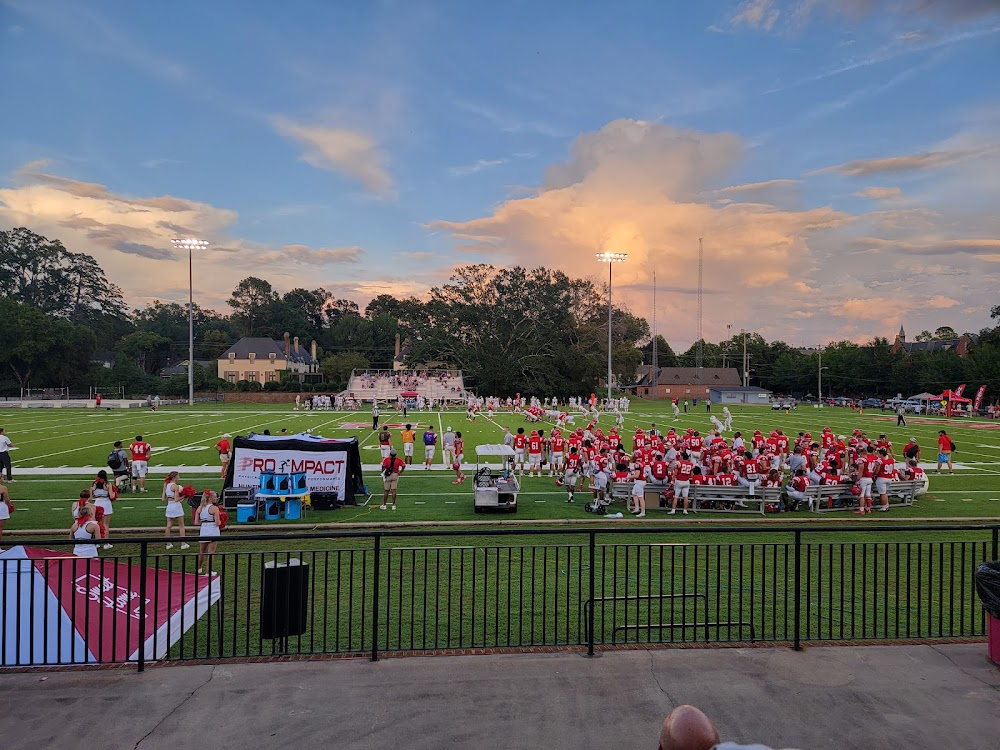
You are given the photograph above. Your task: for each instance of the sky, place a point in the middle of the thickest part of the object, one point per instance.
(839, 159)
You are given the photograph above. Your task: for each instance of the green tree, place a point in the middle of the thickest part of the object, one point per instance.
(665, 356)
(251, 301)
(337, 368)
(42, 273)
(148, 351)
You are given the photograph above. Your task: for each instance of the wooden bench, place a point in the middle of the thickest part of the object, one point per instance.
(755, 503)
(905, 490)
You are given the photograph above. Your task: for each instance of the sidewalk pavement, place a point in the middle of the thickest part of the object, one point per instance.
(839, 697)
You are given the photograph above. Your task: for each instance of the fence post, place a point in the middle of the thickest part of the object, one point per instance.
(798, 592)
(144, 574)
(996, 542)
(375, 595)
(590, 611)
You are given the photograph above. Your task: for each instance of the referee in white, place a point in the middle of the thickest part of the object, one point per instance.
(5, 446)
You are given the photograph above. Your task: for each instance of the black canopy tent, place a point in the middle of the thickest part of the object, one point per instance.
(332, 467)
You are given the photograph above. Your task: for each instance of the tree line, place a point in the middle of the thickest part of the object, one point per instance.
(535, 331)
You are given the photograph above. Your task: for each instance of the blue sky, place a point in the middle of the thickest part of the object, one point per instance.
(839, 157)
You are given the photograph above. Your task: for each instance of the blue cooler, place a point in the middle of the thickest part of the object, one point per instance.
(246, 513)
(272, 509)
(268, 482)
(299, 485)
(293, 508)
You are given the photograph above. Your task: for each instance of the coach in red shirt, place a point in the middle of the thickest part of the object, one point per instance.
(392, 467)
(945, 448)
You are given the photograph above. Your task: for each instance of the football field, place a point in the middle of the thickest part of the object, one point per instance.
(58, 452)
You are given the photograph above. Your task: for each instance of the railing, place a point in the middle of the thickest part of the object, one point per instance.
(366, 593)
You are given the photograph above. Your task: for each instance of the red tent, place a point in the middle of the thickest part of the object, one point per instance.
(409, 394)
(62, 609)
(950, 397)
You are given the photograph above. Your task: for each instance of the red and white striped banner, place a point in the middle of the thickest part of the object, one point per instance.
(979, 398)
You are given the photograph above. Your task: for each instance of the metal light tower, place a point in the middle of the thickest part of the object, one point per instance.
(190, 243)
(610, 259)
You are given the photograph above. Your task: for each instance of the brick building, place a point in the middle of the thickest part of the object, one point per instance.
(683, 382)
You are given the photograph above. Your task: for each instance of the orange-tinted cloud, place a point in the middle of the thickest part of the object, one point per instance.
(639, 187)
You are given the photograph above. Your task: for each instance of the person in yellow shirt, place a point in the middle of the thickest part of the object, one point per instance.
(408, 438)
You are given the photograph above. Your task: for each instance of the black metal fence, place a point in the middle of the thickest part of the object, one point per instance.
(412, 591)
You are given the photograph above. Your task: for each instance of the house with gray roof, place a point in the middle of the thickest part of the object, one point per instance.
(263, 360)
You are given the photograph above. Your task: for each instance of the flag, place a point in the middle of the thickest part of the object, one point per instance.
(979, 398)
(958, 391)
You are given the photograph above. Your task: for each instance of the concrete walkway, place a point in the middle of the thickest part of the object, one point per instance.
(831, 697)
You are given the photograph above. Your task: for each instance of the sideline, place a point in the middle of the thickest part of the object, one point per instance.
(157, 531)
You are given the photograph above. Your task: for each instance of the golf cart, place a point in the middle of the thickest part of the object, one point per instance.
(495, 484)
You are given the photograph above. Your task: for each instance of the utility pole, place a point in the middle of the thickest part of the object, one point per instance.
(655, 346)
(700, 350)
(819, 379)
(746, 361)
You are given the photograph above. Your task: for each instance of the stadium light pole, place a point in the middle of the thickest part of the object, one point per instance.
(610, 259)
(190, 243)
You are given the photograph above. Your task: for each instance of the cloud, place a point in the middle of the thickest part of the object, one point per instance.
(881, 193)
(984, 247)
(948, 10)
(305, 255)
(155, 163)
(477, 166)
(940, 302)
(88, 30)
(129, 236)
(755, 14)
(896, 164)
(348, 152)
(509, 123)
(755, 186)
(648, 189)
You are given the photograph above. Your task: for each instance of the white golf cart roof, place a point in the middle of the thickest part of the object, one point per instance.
(495, 450)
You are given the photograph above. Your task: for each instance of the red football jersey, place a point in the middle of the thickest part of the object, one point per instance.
(140, 451)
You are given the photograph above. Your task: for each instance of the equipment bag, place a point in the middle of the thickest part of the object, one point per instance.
(988, 586)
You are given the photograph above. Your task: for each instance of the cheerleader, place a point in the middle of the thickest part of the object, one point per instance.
(84, 531)
(103, 493)
(175, 508)
(209, 523)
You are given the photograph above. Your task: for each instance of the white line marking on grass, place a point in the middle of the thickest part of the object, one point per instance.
(105, 443)
(449, 502)
(419, 502)
(966, 499)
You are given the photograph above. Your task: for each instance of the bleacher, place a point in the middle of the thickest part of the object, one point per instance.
(389, 385)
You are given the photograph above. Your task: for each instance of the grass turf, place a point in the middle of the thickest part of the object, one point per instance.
(184, 436)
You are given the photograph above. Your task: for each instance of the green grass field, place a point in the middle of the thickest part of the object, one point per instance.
(58, 452)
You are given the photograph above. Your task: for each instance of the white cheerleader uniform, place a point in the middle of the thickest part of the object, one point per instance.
(209, 526)
(175, 508)
(4, 512)
(84, 546)
(102, 500)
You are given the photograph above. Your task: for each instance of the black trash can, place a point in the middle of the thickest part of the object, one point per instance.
(284, 599)
(988, 588)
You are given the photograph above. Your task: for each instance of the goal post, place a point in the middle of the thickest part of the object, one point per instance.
(44, 394)
(107, 391)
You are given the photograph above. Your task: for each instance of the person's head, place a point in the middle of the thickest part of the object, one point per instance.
(208, 497)
(687, 728)
(138, 438)
(267, 432)
(800, 473)
(448, 429)
(83, 514)
(458, 434)
(392, 453)
(118, 444)
(738, 434)
(773, 474)
(409, 426)
(913, 441)
(173, 476)
(871, 448)
(84, 495)
(912, 463)
(102, 476)
(748, 454)
(940, 432)
(697, 471)
(797, 450)
(430, 428)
